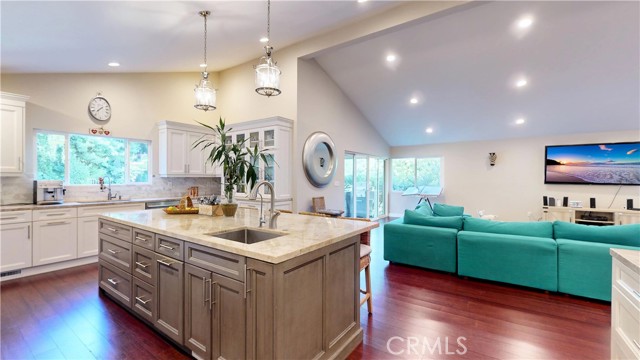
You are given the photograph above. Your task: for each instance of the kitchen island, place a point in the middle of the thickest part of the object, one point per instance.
(289, 293)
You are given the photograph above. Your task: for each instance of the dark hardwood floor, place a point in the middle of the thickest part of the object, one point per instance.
(418, 313)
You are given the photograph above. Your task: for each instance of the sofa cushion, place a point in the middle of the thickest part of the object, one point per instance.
(412, 217)
(628, 235)
(447, 210)
(542, 229)
(424, 209)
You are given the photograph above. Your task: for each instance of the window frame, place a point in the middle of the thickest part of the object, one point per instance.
(415, 171)
(67, 168)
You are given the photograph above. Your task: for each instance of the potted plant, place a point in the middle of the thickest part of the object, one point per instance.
(234, 158)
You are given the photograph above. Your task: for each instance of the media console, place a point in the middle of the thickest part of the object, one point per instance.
(588, 216)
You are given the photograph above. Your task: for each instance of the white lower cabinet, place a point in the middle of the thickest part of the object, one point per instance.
(87, 236)
(15, 246)
(54, 241)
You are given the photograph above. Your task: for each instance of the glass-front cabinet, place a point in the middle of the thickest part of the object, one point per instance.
(274, 136)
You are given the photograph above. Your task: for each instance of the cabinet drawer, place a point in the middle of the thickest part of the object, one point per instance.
(54, 214)
(170, 247)
(144, 299)
(627, 281)
(143, 266)
(217, 261)
(115, 282)
(116, 252)
(143, 238)
(625, 320)
(12, 217)
(122, 232)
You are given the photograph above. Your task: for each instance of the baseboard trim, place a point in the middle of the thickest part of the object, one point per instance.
(51, 267)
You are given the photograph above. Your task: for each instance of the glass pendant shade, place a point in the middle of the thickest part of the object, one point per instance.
(205, 94)
(267, 77)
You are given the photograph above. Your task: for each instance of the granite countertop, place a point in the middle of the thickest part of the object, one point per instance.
(301, 233)
(630, 258)
(78, 203)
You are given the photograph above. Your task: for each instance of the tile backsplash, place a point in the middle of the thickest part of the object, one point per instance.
(19, 189)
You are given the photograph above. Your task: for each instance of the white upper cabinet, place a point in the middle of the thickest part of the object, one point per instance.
(12, 108)
(177, 156)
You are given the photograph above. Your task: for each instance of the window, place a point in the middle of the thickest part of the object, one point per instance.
(82, 159)
(411, 172)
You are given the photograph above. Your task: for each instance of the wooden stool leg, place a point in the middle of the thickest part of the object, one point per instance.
(367, 276)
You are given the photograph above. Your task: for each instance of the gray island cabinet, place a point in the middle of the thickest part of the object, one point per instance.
(295, 296)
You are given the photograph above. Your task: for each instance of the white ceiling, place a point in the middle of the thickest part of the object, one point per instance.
(158, 36)
(581, 60)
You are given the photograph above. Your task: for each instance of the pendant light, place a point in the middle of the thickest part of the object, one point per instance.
(267, 71)
(204, 92)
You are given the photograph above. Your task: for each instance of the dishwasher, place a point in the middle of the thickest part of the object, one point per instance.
(161, 204)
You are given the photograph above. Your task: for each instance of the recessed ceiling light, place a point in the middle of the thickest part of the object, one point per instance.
(264, 39)
(525, 22)
(413, 100)
(522, 82)
(391, 58)
(203, 65)
(520, 121)
(429, 130)
(114, 64)
(361, 1)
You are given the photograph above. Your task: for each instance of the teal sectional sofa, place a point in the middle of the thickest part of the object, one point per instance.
(521, 253)
(560, 256)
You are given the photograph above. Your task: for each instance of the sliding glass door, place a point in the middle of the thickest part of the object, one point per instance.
(364, 186)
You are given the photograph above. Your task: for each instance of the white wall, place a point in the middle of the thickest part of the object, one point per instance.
(323, 107)
(515, 185)
(59, 102)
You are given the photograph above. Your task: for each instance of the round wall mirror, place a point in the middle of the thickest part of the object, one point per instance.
(319, 159)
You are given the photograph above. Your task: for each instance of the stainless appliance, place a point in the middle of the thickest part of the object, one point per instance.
(48, 192)
(161, 204)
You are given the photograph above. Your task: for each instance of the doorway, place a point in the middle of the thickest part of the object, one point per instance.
(364, 186)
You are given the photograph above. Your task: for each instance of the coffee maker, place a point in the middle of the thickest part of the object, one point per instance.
(48, 192)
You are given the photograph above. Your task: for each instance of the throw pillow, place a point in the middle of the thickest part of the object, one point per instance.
(424, 209)
(447, 210)
(412, 217)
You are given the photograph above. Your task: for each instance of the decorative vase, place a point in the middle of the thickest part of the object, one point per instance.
(229, 209)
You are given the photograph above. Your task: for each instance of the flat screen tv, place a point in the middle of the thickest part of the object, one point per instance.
(597, 164)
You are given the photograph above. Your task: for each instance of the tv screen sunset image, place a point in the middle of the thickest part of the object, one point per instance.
(594, 164)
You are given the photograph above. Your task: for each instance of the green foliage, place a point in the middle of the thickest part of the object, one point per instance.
(238, 162)
(410, 172)
(90, 157)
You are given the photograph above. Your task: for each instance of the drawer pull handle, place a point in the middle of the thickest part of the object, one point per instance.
(9, 218)
(112, 229)
(165, 263)
(57, 223)
(55, 214)
(112, 281)
(142, 265)
(166, 246)
(144, 302)
(141, 238)
(113, 251)
(637, 344)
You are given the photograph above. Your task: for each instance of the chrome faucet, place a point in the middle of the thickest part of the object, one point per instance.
(109, 197)
(273, 220)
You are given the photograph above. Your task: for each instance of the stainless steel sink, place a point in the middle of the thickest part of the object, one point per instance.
(247, 235)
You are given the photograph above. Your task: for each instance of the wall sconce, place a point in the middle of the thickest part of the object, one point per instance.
(492, 158)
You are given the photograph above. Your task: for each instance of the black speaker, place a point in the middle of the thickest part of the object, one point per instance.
(592, 203)
(629, 204)
(552, 201)
(545, 202)
(565, 201)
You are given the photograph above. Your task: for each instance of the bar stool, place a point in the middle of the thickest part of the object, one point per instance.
(365, 264)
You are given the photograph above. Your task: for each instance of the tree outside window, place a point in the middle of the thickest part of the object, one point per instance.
(412, 172)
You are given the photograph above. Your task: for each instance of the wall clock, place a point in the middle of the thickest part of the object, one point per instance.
(319, 159)
(99, 108)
